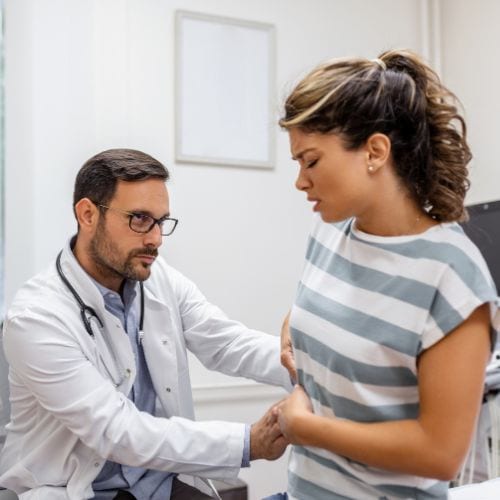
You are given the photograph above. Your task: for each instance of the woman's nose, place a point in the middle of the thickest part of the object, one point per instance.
(302, 182)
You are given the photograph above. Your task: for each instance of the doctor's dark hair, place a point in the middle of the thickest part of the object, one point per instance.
(99, 175)
(398, 95)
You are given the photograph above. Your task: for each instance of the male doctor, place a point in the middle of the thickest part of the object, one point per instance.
(99, 381)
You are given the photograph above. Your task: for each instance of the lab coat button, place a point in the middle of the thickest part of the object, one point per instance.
(164, 342)
(168, 389)
(97, 464)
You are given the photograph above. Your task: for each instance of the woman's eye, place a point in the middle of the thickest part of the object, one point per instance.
(311, 163)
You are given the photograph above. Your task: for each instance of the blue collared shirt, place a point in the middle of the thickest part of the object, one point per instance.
(140, 482)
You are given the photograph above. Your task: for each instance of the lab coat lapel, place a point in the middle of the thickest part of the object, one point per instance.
(159, 343)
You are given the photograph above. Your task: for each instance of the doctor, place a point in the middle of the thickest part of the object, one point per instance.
(99, 381)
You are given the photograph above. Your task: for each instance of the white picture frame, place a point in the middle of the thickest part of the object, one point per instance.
(225, 91)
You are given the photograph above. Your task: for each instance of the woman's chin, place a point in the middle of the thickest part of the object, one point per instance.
(329, 217)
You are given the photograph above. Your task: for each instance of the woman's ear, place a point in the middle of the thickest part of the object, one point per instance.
(378, 151)
(87, 214)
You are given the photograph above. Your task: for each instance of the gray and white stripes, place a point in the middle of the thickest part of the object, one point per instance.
(366, 307)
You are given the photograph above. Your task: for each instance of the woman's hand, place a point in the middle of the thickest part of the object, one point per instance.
(287, 357)
(293, 413)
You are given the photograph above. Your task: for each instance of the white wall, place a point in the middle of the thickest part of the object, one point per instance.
(86, 75)
(470, 41)
(49, 126)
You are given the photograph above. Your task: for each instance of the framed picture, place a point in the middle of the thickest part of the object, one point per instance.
(225, 91)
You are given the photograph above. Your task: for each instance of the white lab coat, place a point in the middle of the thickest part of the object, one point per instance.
(67, 415)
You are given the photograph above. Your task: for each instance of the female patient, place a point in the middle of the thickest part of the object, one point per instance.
(391, 327)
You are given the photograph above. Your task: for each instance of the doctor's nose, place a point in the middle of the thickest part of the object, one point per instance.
(153, 237)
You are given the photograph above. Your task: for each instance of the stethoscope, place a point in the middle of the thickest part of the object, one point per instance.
(88, 313)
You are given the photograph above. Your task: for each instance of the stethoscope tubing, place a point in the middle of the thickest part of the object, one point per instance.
(88, 313)
(86, 309)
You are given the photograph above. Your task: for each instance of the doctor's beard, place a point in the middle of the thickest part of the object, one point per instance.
(109, 262)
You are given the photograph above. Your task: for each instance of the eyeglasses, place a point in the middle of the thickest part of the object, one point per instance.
(142, 223)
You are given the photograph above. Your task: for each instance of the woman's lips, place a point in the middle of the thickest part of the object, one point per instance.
(316, 203)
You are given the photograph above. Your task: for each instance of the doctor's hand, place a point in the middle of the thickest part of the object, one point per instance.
(266, 439)
(287, 356)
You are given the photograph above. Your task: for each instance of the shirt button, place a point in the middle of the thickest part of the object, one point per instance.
(97, 464)
(164, 342)
(168, 389)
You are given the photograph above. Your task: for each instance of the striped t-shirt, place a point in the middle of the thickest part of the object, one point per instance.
(366, 307)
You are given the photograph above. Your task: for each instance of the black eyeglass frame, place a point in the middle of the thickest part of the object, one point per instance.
(159, 221)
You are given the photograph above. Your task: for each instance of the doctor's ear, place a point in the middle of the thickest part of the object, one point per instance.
(87, 214)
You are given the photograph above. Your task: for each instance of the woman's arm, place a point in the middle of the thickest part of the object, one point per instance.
(451, 377)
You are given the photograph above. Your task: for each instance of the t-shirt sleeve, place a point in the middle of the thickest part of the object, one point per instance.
(462, 288)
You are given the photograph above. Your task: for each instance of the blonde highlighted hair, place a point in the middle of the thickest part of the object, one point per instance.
(399, 95)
